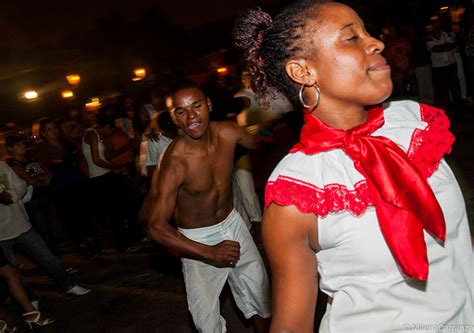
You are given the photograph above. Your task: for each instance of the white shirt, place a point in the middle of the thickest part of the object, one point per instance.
(155, 149)
(13, 218)
(355, 264)
(441, 59)
(94, 169)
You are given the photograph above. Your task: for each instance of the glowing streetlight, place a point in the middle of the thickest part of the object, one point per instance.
(73, 79)
(31, 94)
(67, 94)
(137, 78)
(139, 73)
(222, 70)
(93, 104)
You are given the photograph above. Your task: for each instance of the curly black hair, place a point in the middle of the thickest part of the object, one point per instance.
(268, 44)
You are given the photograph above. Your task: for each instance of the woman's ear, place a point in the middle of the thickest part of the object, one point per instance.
(301, 72)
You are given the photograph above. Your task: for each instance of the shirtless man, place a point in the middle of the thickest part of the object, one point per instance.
(194, 182)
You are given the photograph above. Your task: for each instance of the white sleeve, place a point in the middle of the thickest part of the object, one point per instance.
(430, 44)
(152, 153)
(12, 183)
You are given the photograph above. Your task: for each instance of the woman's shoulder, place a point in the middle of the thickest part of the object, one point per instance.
(421, 130)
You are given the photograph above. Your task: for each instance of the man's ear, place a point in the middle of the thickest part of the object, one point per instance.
(209, 104)
(301, 72)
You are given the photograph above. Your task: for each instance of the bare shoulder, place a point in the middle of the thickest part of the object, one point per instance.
(227, 129)
(175, 151)
(288, 225)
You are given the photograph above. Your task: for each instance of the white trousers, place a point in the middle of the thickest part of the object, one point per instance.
(248, 280)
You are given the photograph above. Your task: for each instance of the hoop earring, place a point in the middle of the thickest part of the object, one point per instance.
(318, 98)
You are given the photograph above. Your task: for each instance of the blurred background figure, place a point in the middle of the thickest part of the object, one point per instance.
(17, 231)
(262, 121)
(469, 53)
(112, 201)
(253, 114)
(398, 52)
(162, 132)
(69, 184)
(40, 208)
(442, 46)
(422, 65)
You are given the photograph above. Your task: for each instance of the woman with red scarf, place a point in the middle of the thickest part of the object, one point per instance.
(364, 206)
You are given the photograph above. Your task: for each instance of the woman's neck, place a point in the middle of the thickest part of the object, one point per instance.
(54, 141)
(19, 157)
(341, 118)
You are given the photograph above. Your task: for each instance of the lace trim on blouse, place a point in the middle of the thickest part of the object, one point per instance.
(427, 147)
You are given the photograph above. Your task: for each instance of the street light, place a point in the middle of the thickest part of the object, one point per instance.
(73, 79)
(222, 70)
(139, 72)
(31, 94)
(93, 103)
(67, 94)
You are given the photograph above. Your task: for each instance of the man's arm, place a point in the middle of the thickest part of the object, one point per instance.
(443, 47)
(449, 43)
(168, 178)
(43, 180)
(290, 238)
(244, 138)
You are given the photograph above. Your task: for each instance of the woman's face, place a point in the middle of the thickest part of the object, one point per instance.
(347, 61)
(50, 131)
(18, 148)
(144, 117)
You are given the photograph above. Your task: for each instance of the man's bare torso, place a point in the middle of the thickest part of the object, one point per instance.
(205, 195)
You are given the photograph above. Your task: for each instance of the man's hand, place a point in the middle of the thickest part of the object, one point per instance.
(225, 253)
(6, 198)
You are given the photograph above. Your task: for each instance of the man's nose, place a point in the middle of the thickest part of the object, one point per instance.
(191, 113)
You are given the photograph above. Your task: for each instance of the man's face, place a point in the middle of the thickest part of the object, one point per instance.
(190, 112)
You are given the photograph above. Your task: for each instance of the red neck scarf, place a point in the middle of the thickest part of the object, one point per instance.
(403, 199)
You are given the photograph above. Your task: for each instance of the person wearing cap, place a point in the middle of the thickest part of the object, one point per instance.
(40, 207)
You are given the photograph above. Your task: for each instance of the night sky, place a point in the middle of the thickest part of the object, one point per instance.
(41, 41)
(26, 24)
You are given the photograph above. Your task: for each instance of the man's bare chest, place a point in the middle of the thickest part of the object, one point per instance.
(209, 173)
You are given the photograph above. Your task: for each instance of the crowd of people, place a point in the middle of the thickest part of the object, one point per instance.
(92, 174)
(359, 201)
(431, 63)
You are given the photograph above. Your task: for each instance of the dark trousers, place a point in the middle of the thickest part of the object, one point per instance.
(72, 203)
(446, 84)
(111, 203)
(40, 210)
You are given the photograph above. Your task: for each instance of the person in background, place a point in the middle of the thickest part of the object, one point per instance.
(164, 132)
(16, 230)
(365, 200)
(32, 315)
(469, 51)
(110, 197)
(422, 65)
(442, 46)
(40, 207)
(71, 192)
(398, 52)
